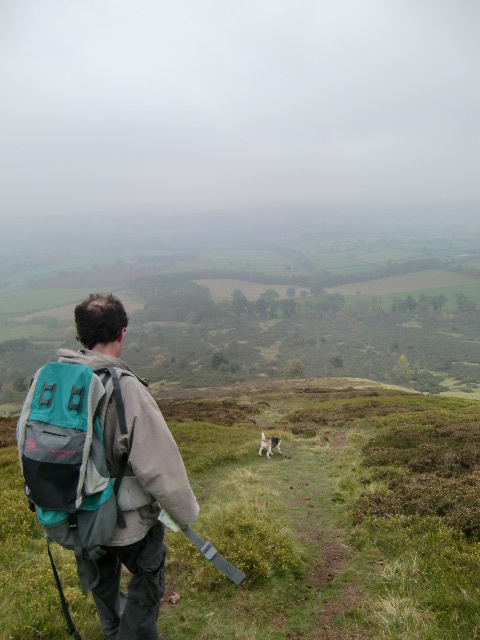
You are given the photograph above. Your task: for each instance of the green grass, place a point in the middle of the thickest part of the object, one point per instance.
(427, 585)
(30, 300)
(291, 524)
(15, 331)
(358, 261)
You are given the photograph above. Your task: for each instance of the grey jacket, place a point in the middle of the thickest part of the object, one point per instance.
(155, 476)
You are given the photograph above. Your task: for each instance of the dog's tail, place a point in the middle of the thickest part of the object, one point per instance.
(263, 437)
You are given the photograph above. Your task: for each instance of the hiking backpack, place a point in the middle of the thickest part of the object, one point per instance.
(62, 458)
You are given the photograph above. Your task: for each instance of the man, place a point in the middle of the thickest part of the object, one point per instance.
(155, 475)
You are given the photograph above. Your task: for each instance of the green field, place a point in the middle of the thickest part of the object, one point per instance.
(36, 313)
(472, 292)
(254, 259)
(429, 283)
(24, 300)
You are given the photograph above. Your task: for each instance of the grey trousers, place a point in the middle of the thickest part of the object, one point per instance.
(132, 617)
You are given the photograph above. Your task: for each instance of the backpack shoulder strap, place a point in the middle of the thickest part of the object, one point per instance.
(111, 382)
(117, 393)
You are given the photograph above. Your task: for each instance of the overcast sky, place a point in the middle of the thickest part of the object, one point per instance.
(202, 103)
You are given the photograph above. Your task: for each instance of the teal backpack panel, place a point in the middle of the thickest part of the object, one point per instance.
(61, 395)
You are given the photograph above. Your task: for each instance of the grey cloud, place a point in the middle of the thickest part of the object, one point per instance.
(108, 102)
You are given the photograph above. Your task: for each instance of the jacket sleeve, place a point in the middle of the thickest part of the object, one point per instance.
(154, 456)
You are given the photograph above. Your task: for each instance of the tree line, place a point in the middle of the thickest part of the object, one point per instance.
(315, 279)
(179, 299)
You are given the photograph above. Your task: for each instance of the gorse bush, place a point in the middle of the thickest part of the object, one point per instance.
(246, 536)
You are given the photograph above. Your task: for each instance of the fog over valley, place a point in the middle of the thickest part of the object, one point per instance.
(275, 190)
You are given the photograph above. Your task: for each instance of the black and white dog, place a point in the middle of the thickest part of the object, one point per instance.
(270, 443)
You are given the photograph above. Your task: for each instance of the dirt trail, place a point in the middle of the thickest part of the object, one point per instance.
(306, 477)
(333, 555)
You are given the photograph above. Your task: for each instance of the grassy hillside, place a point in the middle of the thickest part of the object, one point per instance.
(366, 527)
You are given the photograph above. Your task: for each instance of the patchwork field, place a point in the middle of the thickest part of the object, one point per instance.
(417, 281)
(222, 289)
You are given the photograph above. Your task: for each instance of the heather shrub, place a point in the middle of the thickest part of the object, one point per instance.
(454, 500)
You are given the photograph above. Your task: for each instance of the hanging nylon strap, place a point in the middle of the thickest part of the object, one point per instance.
(71, 627)
(209, 552)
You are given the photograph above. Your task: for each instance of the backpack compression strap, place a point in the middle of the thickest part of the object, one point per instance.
(209, 552)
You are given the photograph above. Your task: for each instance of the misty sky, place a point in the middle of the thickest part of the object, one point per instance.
(201, 103)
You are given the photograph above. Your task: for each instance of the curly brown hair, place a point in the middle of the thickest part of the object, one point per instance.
(100, 319)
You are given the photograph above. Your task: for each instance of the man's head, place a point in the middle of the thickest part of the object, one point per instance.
(100, 320)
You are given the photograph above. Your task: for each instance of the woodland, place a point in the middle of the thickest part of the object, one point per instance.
(215, 300)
